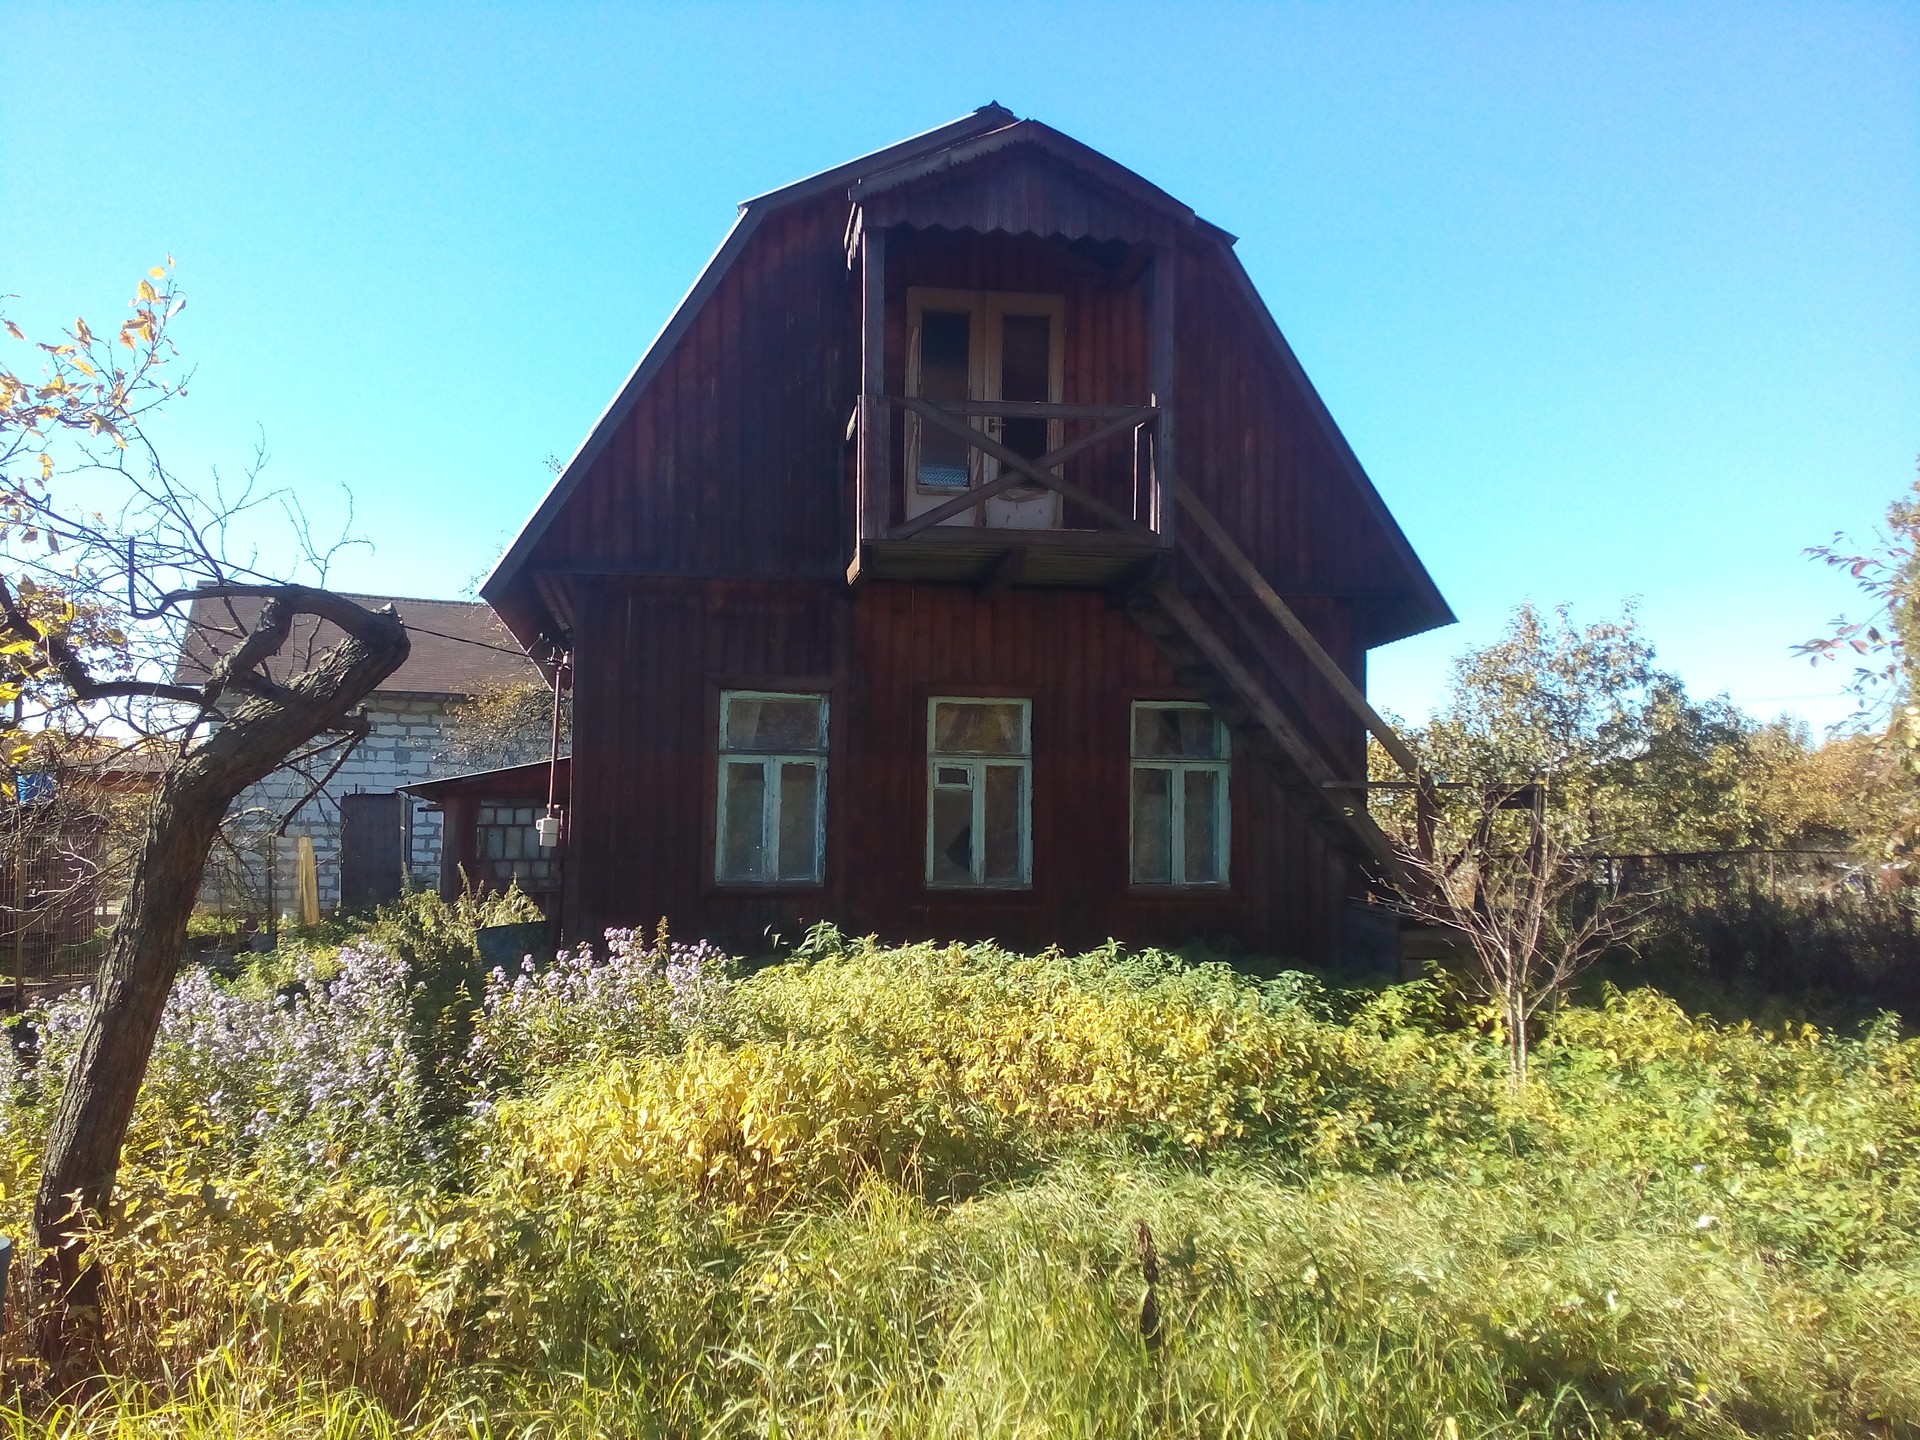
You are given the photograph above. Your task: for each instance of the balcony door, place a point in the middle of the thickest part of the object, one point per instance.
(983, 345)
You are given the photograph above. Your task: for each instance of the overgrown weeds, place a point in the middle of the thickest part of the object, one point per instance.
(897, 1191)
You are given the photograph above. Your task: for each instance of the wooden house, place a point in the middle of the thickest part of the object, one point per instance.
(969, 556)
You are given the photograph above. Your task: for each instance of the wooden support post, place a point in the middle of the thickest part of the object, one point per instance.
(1161, 341)
(876, 421)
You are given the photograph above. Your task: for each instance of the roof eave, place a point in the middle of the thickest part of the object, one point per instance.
(1428, 603)
(988, 117)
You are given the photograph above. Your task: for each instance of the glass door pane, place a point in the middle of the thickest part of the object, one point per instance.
(1026, 373)
(946, 347)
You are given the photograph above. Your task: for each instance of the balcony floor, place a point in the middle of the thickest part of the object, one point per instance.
(977, 555)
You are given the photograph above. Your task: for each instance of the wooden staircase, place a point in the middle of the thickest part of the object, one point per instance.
(1247, 684)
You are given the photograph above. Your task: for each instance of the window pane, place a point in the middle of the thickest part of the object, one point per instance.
(1025, 356)
(1175, 733)
(1152, 826)
(946, 337)
(743, 794)
(1002, 841)
(781, 724)
(951, 775)
(978, 729)
(1025, 353)
(953, 836)
(1202, 826)
(799, 812)
(514, 836)
(495, 842)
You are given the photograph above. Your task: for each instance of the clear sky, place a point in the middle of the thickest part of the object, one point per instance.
(1612, 300)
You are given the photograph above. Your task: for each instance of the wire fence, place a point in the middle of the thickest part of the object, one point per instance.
(52, 915)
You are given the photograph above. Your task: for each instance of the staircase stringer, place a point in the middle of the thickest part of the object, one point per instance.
(1197, 649)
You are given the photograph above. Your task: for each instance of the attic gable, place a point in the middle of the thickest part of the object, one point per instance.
(1024, 178)
(768, 343)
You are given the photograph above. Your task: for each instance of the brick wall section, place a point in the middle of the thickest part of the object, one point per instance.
(408, 739)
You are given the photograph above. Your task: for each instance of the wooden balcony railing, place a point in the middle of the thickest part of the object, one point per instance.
(1151, 501)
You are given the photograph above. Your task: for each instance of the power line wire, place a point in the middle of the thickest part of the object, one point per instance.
(464, 640)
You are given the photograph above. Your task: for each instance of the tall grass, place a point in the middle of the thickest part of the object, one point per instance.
(902, 1193)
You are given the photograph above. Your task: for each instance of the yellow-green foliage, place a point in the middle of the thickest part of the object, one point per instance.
(752, 1126)
(898, 1192)
(946, 1065)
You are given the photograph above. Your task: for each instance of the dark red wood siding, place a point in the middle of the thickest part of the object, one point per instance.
(653, 656)
(707, 544)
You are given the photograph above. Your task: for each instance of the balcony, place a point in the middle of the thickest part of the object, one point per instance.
(1111, 523)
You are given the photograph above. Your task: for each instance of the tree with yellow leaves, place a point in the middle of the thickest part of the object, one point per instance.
(102, 550)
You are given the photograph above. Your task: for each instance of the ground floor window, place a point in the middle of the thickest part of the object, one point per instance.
(1180, 820)
(772, 820)
(979, 792)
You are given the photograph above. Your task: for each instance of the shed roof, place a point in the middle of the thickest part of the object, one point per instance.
(506, 782)
(459, 646)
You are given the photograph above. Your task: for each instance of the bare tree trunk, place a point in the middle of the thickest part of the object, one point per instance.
(143, 956)
(1517, 1056)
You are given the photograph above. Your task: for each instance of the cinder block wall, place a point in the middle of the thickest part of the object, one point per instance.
(408, 736)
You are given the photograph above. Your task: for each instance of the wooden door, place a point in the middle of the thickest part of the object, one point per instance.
(982, 345)
(374, 841)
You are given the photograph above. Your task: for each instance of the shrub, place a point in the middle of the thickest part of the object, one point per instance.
(321, 1076)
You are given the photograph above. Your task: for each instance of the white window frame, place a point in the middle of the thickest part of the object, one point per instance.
(1177, 800)
(977, 766)
(770, 764)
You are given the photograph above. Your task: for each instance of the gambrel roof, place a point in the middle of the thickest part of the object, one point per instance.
(1049, 185)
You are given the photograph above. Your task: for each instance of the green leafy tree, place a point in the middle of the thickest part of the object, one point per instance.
(1559, 747)
(506, 724)
(1882, 647)
(1630, 761)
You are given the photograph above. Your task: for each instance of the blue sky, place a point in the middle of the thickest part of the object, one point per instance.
(1612, 300)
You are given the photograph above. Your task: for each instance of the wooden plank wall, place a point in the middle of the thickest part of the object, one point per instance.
(1251, 449)
(731, 462)
(654, 654)
(734, 462)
